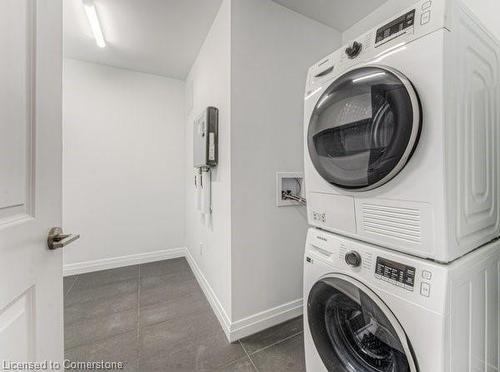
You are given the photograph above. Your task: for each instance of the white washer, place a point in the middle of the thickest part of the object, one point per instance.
(368, 309)
(402, 134)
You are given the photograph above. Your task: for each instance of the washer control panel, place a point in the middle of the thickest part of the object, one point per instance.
(425, 17)
(395, 273)
(425, 285)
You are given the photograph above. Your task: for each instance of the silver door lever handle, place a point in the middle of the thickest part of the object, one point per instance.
(57, 239)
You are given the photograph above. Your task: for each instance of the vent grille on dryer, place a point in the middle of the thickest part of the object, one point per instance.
(392, 222)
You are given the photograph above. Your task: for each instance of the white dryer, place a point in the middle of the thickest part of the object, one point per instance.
(402, 134)
(368, 309)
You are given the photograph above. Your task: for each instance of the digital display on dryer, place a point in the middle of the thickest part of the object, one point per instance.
(396, 26)
(395, 273)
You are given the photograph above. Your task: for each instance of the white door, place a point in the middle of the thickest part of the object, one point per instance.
(31, 296)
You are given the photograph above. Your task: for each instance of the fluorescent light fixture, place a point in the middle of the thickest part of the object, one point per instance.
(368, 77)
(95, 26)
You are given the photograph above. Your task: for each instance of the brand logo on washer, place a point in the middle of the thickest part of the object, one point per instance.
(321, 238)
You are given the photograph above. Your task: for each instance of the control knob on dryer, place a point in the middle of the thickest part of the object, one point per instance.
(354, 50)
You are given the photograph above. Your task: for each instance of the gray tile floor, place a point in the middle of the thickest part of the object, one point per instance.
(155, 317)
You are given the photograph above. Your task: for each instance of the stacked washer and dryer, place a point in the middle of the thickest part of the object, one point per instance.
(402, 172)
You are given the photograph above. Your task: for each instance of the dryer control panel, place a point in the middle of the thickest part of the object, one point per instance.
(384, 40)
(396, 27)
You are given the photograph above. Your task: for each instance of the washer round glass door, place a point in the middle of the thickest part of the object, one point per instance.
(364, 128)
(354, 331)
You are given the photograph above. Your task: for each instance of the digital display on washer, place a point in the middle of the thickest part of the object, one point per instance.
(395, 271)
(395, 26)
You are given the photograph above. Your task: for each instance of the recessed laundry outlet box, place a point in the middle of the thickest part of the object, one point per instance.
(289, 183)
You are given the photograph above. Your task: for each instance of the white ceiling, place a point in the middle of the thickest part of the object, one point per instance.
(164, 36)
(156, 36)
(339, 14)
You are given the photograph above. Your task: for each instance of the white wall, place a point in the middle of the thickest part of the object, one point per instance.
(123, 173)
(272, 49)
(209, 84)
(487, 10)
(252, 67)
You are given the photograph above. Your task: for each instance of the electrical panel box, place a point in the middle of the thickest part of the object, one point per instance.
(205, 138)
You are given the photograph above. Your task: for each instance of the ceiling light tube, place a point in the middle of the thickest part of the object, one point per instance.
(95, 26)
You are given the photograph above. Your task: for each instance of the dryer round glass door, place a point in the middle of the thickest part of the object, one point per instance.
(353, 330)
(364, 128)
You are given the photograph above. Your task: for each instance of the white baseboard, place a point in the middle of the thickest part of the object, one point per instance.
(233, 330)
(265, 319)
(219, 311)
(249, 325)
(112, 263)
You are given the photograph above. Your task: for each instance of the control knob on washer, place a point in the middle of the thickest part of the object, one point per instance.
(353, 259)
